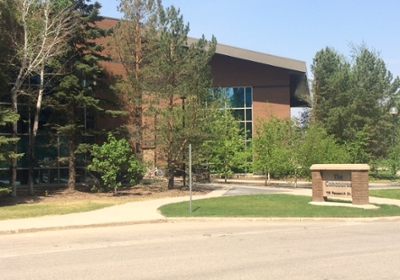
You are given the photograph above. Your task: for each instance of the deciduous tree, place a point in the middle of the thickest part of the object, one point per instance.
(43, 28)
(271, 147)
(226, 150)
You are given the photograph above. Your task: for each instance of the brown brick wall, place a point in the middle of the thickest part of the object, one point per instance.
(317, 194)
(271, 85)
(359, 185)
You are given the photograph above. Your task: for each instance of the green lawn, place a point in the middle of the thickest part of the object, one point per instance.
(386, 193)
(43, 209)
(269, 205)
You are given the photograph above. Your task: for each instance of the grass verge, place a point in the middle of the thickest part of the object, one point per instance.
(31, 210)
(269, 205)
(386, 193)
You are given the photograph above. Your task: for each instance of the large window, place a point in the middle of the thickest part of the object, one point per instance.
(49, 148)
(240, 101)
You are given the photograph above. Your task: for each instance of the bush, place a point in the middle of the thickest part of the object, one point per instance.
(4, 190)
(115, 163)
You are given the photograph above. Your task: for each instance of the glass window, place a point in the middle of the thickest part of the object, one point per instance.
(235, 97)
(249, 114)
(249, 130)
(240, 100)
(249, 99)
(238, 114)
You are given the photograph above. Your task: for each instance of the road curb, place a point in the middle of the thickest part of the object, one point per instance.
(200, 219)
(55, 228)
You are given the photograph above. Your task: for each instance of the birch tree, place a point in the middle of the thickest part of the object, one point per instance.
(44, 25)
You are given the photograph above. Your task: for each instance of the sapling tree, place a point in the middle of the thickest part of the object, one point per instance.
(226, 150)
(271, 147)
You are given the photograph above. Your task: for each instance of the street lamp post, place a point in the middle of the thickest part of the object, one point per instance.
(183, 97)
(394, 111)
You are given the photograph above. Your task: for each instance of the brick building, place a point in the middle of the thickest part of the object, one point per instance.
(257, 85)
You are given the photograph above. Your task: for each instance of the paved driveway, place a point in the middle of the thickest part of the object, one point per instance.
(248, 190)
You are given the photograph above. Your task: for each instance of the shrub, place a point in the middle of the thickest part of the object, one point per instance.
(115, 163)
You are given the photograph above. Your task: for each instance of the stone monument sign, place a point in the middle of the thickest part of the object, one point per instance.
(340, 181)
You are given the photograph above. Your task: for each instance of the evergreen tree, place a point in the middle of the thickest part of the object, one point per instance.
(7, 117)
(133, 40)
(74, 97)
(180, 74)
(8, 18)
(352, 100)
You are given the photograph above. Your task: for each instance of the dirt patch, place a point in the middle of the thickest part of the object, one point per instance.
(61, 193)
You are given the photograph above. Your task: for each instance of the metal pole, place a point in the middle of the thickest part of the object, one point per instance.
(394, 131)
(190, 175)
(393, 144)
(183, 156)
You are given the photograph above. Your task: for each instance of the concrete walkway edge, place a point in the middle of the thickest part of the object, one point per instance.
(146, 212)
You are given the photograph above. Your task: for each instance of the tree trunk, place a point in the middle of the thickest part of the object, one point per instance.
(14, 147)
(71, 164)
(138, 109)
(225, 171)
(170, 172)
(34, 132)
(32, 141)
(267, 178)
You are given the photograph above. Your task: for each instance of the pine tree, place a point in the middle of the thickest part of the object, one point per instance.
(352, 100)
(74, 92)
(180, 74)
(133, 39)
(7, 117)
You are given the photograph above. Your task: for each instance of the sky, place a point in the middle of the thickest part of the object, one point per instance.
(292, 28)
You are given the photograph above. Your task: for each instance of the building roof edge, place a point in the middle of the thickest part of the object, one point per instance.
(273, 60)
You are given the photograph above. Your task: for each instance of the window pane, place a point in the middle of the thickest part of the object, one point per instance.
(249, 100)
(249, 130)
(46, 154)
(249, 115)
(235, 97)
(63, 150)
(242, 127)
(238, 114)
(23, 147)
(23, 123)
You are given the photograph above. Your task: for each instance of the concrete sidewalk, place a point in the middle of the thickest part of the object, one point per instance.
(128, 213)
(135, 212)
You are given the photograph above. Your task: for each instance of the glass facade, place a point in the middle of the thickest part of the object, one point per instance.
(50, 149)
(240, 101)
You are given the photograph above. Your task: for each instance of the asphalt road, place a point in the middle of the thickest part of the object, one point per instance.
(208, 249)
